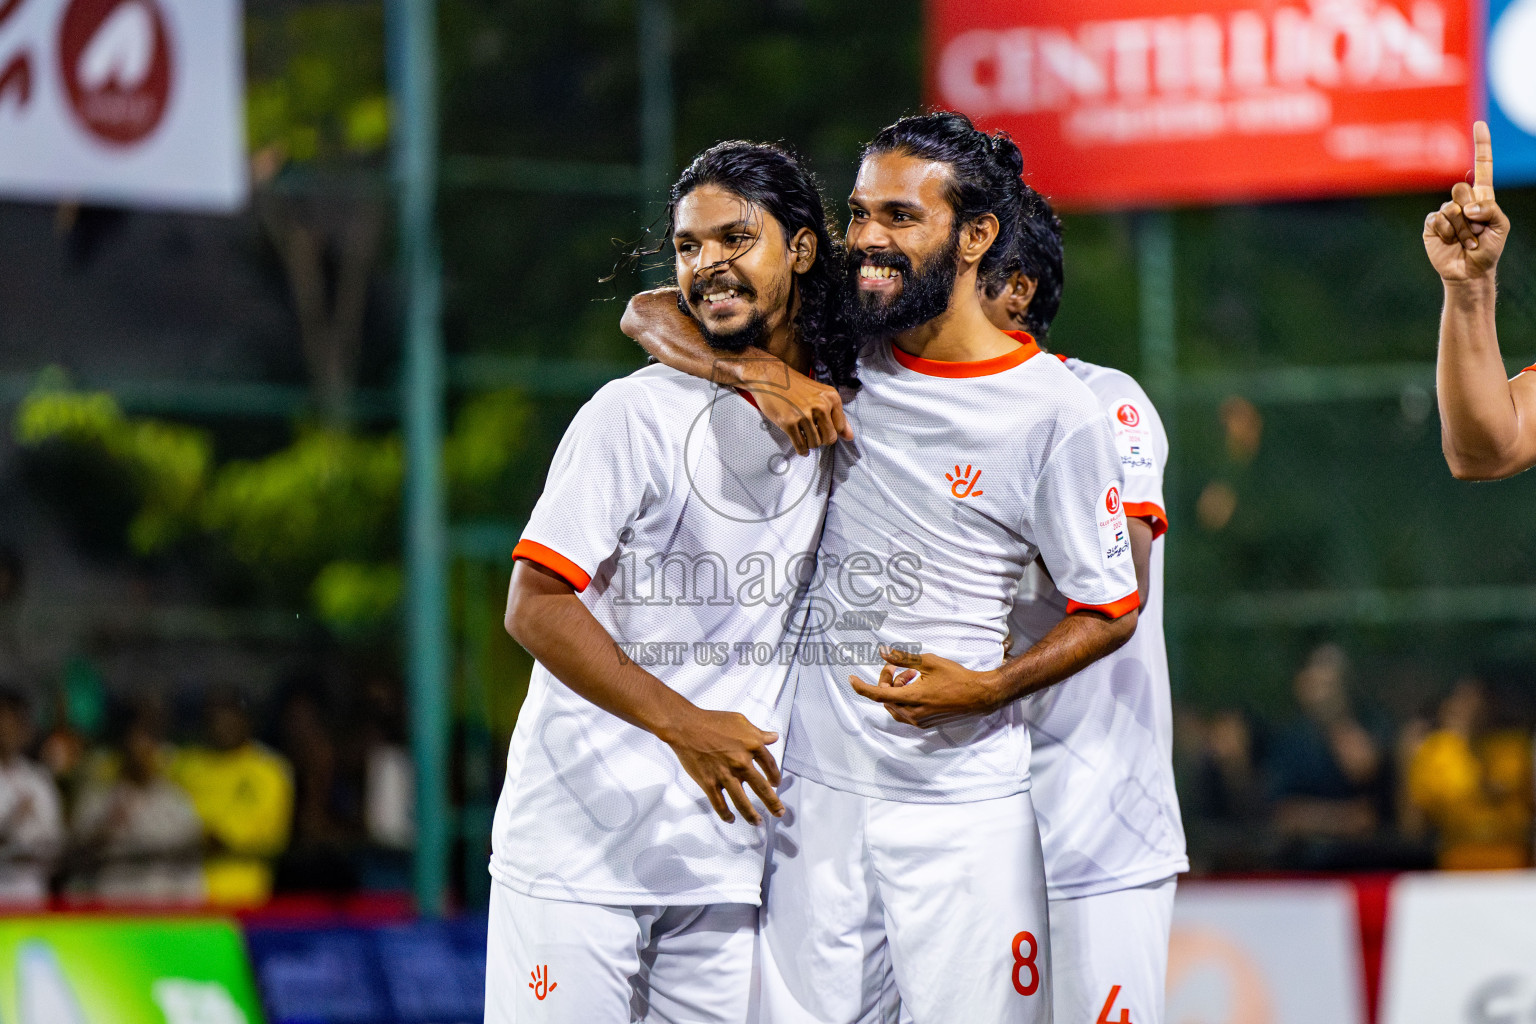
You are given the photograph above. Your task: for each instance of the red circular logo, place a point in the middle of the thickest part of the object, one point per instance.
(1112, 500)
(115, 56)
(1128, 415)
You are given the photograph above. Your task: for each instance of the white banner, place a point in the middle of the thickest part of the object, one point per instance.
(1461, 949)
(133, 102)
(1265, 953)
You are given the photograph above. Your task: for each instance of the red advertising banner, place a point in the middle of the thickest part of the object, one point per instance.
(1120, 103)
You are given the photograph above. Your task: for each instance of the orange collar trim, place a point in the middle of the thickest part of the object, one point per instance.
(978, 368)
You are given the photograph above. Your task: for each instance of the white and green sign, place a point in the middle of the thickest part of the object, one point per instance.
(110, 970)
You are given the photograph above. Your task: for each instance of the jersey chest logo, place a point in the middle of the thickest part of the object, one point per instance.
(964, 485)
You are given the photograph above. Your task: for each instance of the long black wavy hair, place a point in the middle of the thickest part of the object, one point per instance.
(986, 172)
(1037, 254)
(774, 178)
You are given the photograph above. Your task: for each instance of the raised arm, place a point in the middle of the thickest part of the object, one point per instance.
(809, 413)
(1487, 422)
(720, 750)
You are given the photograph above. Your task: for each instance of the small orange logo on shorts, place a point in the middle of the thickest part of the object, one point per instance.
(541, 984)
(963, 485)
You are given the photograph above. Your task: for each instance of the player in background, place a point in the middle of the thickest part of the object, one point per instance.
(909, 865)
(1487, 421)
(668, 535)
(1102, 761)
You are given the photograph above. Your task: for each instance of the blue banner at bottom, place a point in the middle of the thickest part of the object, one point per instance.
(425, 972)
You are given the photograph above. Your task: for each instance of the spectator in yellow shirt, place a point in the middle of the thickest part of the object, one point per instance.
(243, 793)
(1473, 784)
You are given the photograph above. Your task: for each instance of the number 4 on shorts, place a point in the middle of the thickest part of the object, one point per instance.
(1109, 1004)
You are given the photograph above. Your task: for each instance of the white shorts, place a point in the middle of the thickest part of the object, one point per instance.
(1110, 954)
(587, 963)
(868, 901)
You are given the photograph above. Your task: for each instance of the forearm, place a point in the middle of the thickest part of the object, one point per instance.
(1480, 423)
(1141, 556)
(654, 322)
(721, 750)
(558, 630)
(1073, 644)
(808, 413)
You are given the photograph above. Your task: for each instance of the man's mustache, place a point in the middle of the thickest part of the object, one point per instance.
(879, 258)
(699, 288)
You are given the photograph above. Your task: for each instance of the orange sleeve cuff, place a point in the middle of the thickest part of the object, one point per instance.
(1127, 604)
(1528, 369)
(554, 561)
(1148, 510)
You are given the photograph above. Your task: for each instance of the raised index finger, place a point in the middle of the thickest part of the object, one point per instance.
(1482, 161)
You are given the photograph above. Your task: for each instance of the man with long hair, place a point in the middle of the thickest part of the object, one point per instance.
(908, 867)
(651, 585)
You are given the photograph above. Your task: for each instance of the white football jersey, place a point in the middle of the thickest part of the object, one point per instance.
(958, 474)
(684, 521)
(1103, 739)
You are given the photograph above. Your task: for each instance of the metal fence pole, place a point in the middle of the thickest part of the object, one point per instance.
(412, 42)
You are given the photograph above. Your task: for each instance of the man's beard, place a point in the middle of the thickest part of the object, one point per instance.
(753, 332)
(925, 291)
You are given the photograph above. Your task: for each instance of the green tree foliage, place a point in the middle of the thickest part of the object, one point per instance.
(166, 464)
(315, 89)
(318, 519)
(328, 495)
(354, 597)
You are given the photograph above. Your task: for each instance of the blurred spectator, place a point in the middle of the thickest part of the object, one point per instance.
(63, 752)
(1411, 820)
(325, 832)
(138, 837)
(1473, 784)
(1222, 790)
(307, 742)
(31, 821)
(243, 793)
(1231, 785)
(1328, 772)
(389, 794)
(382, 763)
(79, 709)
